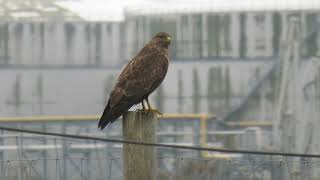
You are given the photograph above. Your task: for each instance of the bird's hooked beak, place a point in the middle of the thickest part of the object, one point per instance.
(168, 39)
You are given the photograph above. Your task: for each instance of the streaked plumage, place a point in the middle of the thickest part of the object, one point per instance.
(141, 76)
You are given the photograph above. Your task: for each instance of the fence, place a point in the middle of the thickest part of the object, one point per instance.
(169, 168)
(27, 156)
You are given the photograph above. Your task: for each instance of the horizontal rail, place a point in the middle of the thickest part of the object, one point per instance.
(92, 118)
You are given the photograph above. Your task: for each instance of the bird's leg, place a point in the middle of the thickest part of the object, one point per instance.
(151, 109)
(143, 106)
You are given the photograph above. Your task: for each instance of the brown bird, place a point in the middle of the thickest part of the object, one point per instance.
(141, 76)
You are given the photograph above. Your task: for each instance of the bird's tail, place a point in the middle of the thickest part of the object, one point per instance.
(107, 117)
(111, 114)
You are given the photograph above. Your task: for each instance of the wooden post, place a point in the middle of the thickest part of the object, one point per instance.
(139, 162)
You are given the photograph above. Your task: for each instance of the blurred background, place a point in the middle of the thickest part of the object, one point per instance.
(243, 75)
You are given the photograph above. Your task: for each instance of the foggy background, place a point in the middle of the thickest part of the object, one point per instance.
(250, 68)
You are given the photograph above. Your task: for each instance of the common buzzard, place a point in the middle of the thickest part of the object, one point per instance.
(141, 76)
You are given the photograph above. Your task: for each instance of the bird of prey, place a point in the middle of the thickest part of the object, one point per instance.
(141, 76)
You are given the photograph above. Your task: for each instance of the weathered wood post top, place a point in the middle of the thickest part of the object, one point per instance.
(139, 162)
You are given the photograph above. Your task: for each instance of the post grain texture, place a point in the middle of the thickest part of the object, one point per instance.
(139, 162)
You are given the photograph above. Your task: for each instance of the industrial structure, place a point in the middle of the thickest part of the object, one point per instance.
(34, 10)
(253, 70)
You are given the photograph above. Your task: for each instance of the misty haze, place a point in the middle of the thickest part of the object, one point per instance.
(243, 75)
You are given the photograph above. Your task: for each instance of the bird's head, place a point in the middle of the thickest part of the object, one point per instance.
(162, 39)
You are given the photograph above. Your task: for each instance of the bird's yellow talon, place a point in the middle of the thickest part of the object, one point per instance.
(155, 110)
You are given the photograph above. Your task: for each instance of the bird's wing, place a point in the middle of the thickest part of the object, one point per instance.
(140, 77)
(157, 73)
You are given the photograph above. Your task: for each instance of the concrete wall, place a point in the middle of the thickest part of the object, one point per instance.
(71, 91)
(60, 44)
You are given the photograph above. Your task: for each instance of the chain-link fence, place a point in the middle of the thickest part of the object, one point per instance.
(64, 158)
(169, 168)
(25, 156)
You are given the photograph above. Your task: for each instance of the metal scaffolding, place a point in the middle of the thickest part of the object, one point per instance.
(296, 113)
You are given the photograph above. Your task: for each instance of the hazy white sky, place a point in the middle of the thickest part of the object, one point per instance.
(113, 10)
(99, 9)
